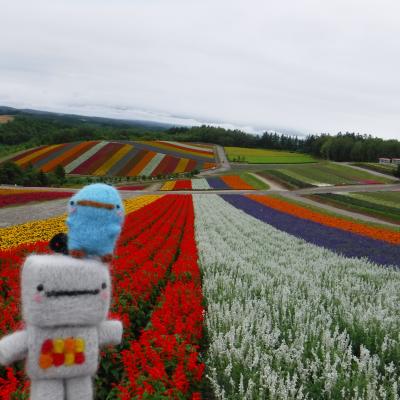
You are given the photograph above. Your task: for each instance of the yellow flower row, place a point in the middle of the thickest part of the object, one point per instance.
(168, 185)
(139, 202)
(44, 230)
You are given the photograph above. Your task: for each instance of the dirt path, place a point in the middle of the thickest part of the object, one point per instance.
(31, 212)
(224, 163)
(339, 211)
(272, 185)
(46, 209)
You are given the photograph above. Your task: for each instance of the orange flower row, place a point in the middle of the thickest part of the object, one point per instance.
(335, 222)
(236, 182)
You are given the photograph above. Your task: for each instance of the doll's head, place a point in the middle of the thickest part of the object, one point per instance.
(59, 290)
(96, 202)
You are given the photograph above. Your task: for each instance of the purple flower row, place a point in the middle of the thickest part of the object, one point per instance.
(346, 243)
(217, 183)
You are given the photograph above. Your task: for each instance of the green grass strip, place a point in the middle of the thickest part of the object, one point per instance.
(253, 181)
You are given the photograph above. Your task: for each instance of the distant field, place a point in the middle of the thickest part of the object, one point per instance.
(321, 174)
(120, 158)
(263, 156)
(387, 169)
(6, 118)
(384, 205)
(224, 182)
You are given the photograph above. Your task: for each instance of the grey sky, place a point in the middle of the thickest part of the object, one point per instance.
(306, 65)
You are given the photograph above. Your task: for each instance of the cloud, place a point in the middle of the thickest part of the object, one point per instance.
(305, 65)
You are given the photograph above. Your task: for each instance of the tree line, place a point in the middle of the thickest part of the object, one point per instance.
(28, 131)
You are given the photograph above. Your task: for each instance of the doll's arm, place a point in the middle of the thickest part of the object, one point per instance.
(13, 347)
(110, 332)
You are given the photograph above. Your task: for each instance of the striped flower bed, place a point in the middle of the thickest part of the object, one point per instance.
(120, 158)
(184, 184)
(339, 240)
(157, 280)
(283, 316)
(227, 182)
(290, 320)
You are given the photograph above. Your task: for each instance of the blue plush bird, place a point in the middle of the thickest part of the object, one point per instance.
(95, 220)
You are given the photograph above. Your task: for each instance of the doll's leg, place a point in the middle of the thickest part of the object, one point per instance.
(47, 389)
(79, 388)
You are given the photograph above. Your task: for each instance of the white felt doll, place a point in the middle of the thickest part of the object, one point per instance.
(65, 302)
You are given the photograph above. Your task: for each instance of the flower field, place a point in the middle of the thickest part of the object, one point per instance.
(157, 296)
(321, 174)
(235, 297)
(11, 197)
(226, 182)
(120, 158)
(290, 320)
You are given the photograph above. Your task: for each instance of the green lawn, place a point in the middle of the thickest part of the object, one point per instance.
(323, 174)
(264, 156)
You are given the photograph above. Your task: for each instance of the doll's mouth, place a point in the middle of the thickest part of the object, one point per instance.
(61, 293)
(96, 204)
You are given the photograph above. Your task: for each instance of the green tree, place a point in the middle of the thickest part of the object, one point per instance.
(396, 172)
(59, 172)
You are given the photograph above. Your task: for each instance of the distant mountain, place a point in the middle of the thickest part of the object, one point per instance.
(5, 110)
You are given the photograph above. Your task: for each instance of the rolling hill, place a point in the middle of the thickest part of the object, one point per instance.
(119, 158)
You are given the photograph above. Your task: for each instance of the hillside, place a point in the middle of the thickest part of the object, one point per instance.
(120, 158)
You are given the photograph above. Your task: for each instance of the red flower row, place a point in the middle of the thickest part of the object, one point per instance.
(154, 239)
(12, 381)
(164, 361)
(21, 198)
(184, 184)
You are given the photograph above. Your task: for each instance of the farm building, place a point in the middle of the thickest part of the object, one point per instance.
(384, 160)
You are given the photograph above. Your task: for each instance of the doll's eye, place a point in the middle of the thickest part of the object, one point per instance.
(72, 203)
(40, 288)
(103, 285)
(118, 206)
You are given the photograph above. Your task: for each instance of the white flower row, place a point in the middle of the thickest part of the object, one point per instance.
(289, 320)
(152, 165)
(200, 184)
(84, 157)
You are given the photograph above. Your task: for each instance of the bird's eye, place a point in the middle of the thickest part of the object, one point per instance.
(40, 288)
(72, 202)
(118, 206)
(103, 285)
